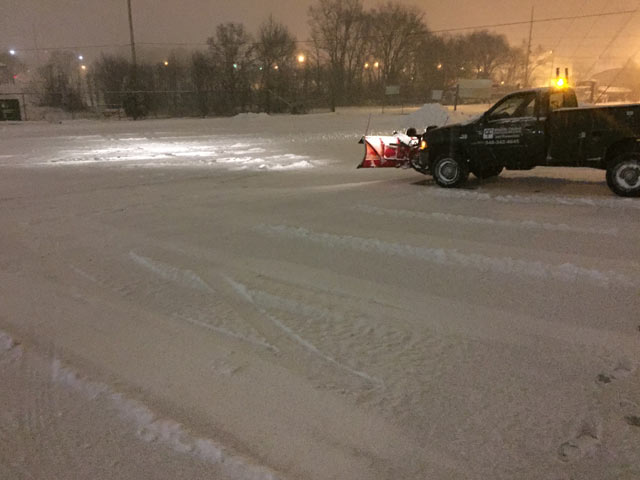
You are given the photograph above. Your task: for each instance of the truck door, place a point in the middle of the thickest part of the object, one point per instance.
(511, 133)
(567, 130)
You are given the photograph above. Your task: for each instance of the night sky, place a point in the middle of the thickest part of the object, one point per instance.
(55, 23)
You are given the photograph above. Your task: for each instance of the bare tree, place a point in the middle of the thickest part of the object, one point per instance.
(396, 44)
(336, 29)
(231, 52)
(110, 75)
(203, 79)
(62, 82)
(486, 52)
(274, 54)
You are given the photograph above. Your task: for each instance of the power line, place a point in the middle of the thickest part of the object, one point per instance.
(444, 30)
(613, 39)
(541, 20)
(74, 47)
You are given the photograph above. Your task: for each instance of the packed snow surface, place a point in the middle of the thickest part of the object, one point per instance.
(232, 299)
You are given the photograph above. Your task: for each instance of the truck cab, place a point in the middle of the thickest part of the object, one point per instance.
(512, 134)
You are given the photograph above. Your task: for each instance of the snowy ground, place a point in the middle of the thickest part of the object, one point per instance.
(231, 299)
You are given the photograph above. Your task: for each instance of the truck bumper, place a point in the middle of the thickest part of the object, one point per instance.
(421, 162)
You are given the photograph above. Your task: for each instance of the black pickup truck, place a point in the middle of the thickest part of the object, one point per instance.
(539, 127)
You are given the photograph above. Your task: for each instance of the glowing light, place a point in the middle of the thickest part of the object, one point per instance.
(366, 65)
(166, 63)
(560, 82)
(423, 145)
(302, 58)
(276, 67)
(376, 65)
(83, 67)
(80, 57)
(439, 66)
(12, 52)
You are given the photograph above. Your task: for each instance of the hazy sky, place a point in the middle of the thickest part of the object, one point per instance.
(54, 23)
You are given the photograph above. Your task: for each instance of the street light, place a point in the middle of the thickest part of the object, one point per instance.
(12, 52)
(366, 66)
(166, 63)
(376, 65)
(80, 57)
(302, 58)
(83, 67)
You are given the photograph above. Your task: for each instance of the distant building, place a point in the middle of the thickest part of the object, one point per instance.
(616, 85)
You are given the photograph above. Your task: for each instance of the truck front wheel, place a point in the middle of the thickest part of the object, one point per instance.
(623, 175)
(450, 171)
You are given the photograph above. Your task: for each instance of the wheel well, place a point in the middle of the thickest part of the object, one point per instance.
(626, 145)
(445, 149)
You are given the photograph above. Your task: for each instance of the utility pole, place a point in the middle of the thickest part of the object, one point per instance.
(134, 67)
(133, 42)
(526, 67)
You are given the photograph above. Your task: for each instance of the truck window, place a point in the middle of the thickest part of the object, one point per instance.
(516, 106)
(556, 101)
(562, 99)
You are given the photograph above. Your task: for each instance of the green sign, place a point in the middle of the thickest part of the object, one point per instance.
(392, 90)
(10, 110)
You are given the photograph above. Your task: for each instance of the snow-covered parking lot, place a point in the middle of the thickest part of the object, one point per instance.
(232, 299)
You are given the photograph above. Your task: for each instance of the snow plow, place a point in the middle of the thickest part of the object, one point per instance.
(396, 151)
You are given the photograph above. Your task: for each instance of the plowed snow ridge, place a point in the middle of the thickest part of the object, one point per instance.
(448, 217)
(442, 256)
(150, 427)
(618, 203)
(166, 431)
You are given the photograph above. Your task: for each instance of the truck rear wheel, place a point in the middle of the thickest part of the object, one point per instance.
(450, 171)
(623, 175)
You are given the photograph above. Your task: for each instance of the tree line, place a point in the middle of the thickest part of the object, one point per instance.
(352, 56)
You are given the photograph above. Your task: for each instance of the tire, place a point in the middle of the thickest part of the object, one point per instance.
(487, 172)
(449, 171)
(623, 175)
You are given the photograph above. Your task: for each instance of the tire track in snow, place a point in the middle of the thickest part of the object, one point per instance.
(615, 203)
(173, 274)
(448, 217)
(249, 297)
(442, 256)
(191, 280)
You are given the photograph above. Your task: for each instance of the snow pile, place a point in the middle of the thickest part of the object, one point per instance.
(251, 115)
(434, 114)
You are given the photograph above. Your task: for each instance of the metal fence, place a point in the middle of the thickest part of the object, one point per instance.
(55, 106)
